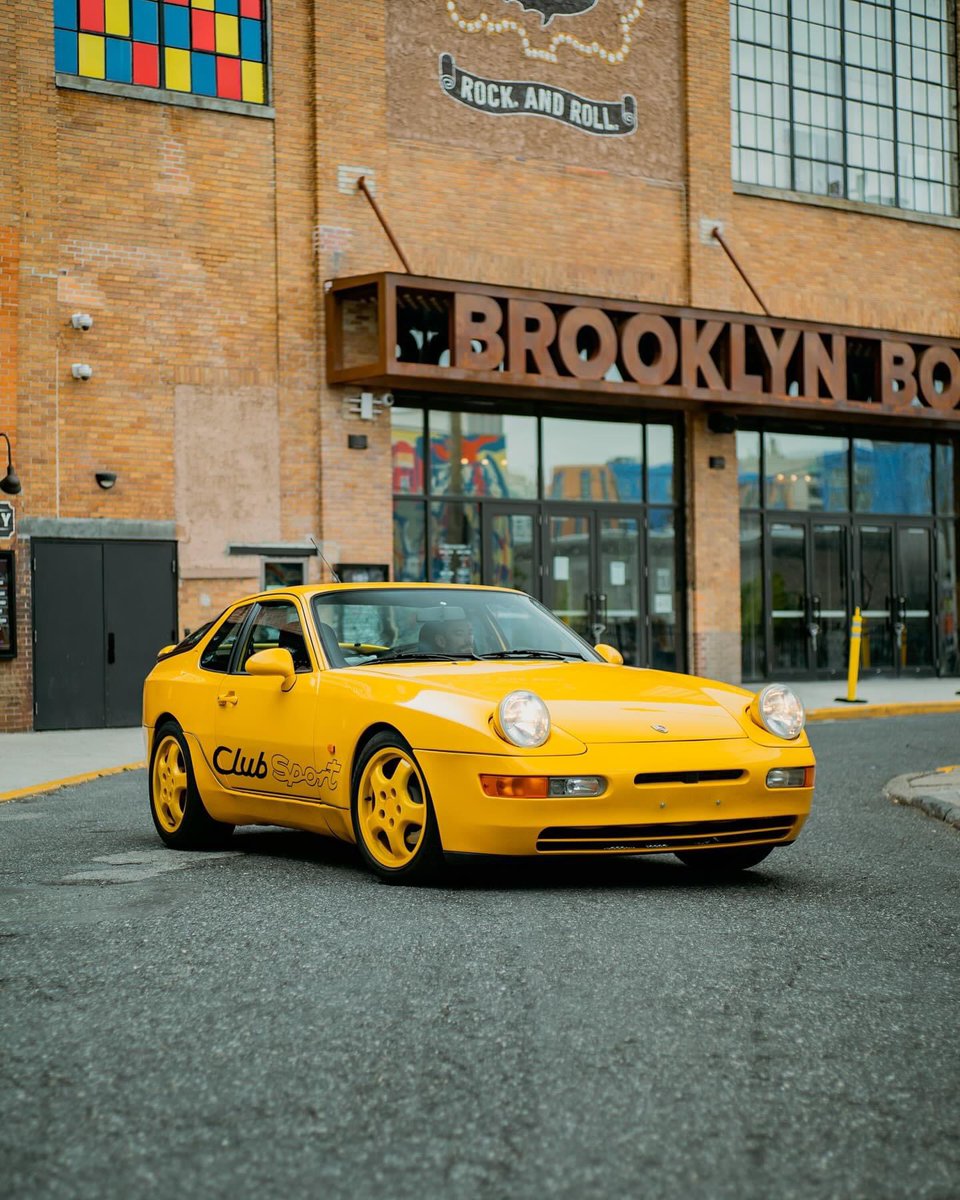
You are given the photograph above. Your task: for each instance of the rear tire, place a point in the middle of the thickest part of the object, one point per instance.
(393, 818)
(175, 802)
(718, 863)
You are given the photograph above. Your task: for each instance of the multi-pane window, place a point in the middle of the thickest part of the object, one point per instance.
(847, 98)
(213, 48)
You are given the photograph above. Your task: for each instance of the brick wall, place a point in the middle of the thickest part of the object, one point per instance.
(186, 234)
(199, 242)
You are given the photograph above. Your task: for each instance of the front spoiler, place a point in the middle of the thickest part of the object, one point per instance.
(627, 818)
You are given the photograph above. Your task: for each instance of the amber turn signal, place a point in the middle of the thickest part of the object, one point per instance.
(517, 787)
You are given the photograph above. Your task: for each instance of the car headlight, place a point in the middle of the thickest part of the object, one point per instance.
(523, 718)
(779, 711)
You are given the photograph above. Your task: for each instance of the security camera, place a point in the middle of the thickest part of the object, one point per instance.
(387, 399)
(81, 371)
(81, 321)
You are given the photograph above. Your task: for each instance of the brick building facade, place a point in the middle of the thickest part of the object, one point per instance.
(579, 150)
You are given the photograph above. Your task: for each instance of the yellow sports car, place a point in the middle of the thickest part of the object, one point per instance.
(428, 720)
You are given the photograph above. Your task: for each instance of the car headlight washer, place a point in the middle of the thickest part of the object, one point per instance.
(779, 711)
(523, 719)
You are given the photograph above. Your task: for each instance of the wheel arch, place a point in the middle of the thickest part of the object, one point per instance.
(363, 741)
(164, 718)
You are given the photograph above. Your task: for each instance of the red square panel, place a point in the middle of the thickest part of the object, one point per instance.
(203, 30)
(146, 64)
(91, 15)
(182, 3)
(251, 8)
(228, 78)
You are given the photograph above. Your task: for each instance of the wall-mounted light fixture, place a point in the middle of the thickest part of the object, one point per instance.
(10, 483)
(367, 405)
(81, 321)
(81, 370)
(106, 479)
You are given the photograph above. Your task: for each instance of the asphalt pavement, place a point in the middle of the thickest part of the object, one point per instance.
(271, 1021)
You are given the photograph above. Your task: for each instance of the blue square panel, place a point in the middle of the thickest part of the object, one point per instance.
(251, 39)
(176, 26)
(203, 71)
(65, 14)
(65, 51)
(119, 61)
(228, 6)
(146, 25)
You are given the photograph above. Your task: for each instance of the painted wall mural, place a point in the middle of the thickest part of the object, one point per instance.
(213, 48)
(597, 82)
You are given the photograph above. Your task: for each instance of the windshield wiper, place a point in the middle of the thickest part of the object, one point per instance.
(420, 656)
(530, 654)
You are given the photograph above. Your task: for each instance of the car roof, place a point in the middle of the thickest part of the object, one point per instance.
(307, 590)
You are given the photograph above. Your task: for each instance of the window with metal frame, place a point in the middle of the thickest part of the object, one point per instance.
(847, 99)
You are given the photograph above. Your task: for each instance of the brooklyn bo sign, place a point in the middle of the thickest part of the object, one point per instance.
(399, 331)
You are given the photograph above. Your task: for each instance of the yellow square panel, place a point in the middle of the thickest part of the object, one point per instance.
(228, 34)
(178, 69)
(118, 17)
(252, 81)
(207, 4)
(92, 56)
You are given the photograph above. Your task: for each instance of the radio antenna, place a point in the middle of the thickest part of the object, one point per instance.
(336, 577)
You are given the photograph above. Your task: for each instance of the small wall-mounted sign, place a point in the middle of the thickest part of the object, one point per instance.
(8, 605)
(8, 520)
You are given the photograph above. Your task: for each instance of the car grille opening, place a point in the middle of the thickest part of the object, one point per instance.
(662, 777)
(665, 837)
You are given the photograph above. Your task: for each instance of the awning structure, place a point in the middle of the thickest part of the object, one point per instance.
(392, 331)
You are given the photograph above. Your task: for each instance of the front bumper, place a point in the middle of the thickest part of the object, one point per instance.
(629, 817)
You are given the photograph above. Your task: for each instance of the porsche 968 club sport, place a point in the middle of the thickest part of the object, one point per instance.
(422, 721)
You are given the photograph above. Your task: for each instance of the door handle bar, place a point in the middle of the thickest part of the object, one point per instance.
(226, 698)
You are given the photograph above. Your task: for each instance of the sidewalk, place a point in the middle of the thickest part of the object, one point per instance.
(884, 697)
(34, 762)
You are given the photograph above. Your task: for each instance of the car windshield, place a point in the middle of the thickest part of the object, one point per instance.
(380, 625)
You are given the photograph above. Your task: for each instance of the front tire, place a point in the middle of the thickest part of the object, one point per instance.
(175, 802)
(716, 864)
(393, 817)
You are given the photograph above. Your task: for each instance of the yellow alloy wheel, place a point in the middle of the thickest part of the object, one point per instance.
(391, 808)
(169, 784)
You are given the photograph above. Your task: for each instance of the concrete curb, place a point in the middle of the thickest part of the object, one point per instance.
(38, 789)
(902, 790)
(857, 711)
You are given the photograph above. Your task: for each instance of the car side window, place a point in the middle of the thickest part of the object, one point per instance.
(277, 625)
(216, 657)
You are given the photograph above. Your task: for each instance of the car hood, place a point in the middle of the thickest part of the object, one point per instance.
(594, 702)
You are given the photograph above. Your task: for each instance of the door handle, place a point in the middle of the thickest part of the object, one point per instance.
(226, 698)
(111, 648)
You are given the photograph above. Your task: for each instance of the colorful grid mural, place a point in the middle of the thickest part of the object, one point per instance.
(204, 47)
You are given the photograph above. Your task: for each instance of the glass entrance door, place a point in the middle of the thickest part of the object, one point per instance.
(511, 540)
(809, 597)
(592, 576)
(896, 597)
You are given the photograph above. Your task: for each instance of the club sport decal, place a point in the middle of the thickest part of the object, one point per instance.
(291, 773)
(227, 761)
(246, 768)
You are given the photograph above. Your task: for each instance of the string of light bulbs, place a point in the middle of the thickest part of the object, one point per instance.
(483, 23)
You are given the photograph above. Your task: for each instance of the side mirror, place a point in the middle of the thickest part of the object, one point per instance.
(273, 662)
(609, 654)
(165, 650)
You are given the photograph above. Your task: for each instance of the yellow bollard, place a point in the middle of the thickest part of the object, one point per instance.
(853, 668)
